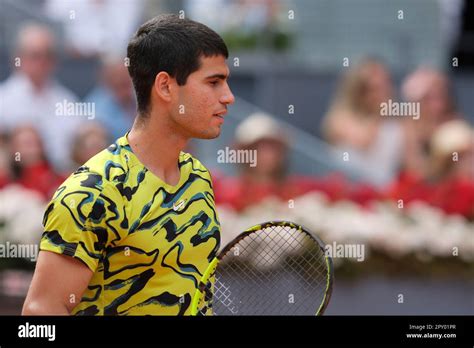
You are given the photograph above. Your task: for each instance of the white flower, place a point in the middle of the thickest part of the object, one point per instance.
(417, 229)
(21, 212)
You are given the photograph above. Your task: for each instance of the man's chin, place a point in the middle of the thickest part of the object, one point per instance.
(209, 135)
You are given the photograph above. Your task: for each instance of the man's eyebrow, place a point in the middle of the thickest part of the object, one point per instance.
(218, 76)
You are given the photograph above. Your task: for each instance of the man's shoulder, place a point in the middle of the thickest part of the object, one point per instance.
(11, 85)
(193, 162)
(100, 174)
(61, 91)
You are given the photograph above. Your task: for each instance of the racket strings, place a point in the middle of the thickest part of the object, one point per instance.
(265, 304)
(277, 270)
(313, 276)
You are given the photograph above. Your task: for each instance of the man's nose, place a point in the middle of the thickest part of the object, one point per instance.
(228, 98)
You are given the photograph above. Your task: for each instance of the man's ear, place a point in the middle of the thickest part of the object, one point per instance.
(162, 86)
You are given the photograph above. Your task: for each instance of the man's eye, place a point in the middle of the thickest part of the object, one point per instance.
(214, 83)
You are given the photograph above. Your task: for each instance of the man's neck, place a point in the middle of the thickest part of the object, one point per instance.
(157, 146)
(37, 85)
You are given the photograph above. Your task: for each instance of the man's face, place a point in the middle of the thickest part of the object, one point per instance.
(117, 80)
(37, 56)
(200, 105)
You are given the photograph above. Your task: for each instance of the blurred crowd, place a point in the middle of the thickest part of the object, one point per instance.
(42, 139)
(427, 159)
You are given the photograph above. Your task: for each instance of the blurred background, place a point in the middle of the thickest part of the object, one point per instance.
(310, 78)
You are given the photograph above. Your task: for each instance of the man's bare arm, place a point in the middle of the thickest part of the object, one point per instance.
(58, 284)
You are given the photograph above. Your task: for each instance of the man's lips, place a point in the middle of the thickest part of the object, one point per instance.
(220, 113)
(220, 118)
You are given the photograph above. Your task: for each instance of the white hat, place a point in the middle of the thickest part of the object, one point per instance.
(257, 126)
(451, 136)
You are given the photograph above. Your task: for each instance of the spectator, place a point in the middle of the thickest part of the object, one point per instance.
(269, 177)
(5, 170)
(114, 99)
(354, 124)
(29, 164)
(452, 151)
(31, 96)
(89, 141)
(450, 183)
(452, 167)
(432, 90)
(93, 27)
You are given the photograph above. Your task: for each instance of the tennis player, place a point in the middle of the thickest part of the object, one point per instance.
(133, 229)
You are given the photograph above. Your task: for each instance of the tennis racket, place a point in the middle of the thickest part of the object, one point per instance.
(274, 268)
